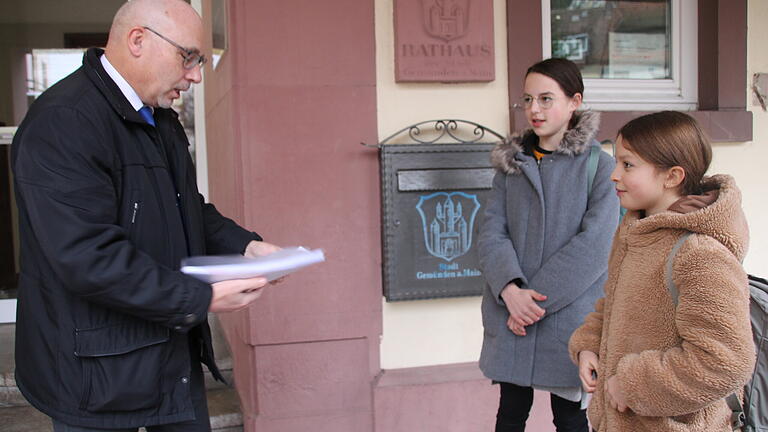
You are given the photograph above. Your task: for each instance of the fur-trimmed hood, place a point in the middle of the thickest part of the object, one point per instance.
(723, 220)
(575, 141)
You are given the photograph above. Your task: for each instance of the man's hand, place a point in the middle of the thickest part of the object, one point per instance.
(259, 248)
(235, 294)
(588, 370)
(523, 310)
(615, 394)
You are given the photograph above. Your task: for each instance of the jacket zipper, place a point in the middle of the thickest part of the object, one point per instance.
(135, 210)
(86, 381)
(158, 195)
(162, 205)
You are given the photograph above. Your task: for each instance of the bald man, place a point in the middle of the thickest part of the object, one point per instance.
(109, 334)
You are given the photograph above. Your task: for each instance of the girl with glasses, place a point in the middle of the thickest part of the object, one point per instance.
(544, 248)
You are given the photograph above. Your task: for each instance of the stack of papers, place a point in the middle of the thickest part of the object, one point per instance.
(218, 268)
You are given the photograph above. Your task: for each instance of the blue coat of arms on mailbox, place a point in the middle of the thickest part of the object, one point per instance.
(447, 220)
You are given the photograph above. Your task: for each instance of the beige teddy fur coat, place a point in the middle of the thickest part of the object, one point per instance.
(676, 365)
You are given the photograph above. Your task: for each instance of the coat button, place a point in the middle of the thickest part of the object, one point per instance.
(184, 380)
(190, 318)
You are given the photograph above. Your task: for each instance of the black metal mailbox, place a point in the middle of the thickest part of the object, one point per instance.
(434, 196)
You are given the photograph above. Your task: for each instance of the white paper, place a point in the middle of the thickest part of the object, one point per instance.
(216, 268)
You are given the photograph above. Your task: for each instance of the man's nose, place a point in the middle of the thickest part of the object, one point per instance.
(195, 74)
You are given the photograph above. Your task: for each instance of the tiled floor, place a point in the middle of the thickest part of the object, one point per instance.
(24, 419)
(6, 348)
(223, 404)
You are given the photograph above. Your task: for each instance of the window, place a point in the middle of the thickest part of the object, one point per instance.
(219, 29)
(45, 67)
(9, 254)
(634, 55)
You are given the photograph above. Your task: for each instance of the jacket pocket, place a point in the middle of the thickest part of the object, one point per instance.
(685, 419)
(494, 316)
(121, 365)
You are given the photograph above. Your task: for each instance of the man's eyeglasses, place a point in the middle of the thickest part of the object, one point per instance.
(192, 58)
(545, 101)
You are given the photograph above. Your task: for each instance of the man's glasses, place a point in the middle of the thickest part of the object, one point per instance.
(545, 101)
(192, 58)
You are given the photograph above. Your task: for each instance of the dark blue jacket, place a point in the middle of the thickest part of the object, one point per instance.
(108, 207)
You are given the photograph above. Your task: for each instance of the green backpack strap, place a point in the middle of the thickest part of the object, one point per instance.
(594, 158)
(737, 411)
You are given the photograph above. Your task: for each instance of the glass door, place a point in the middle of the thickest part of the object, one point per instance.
(9, 246)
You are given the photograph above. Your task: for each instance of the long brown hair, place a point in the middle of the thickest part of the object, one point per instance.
(565, 73)
(671, 138)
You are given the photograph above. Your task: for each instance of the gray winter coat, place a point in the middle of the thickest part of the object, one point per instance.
(541, 230)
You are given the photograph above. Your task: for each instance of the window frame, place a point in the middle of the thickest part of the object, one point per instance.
(677, 93)
(722, 69)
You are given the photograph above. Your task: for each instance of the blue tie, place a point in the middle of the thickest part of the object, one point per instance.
(146, 113)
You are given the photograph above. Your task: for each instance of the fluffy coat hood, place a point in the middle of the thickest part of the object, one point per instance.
(722, 220)
(575, 141)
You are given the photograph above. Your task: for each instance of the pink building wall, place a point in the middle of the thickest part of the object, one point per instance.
(286, 109)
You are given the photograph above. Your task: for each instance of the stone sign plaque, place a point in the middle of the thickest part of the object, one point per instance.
(444, 40)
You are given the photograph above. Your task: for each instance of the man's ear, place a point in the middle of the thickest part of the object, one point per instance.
(136, 40)
(675, 177)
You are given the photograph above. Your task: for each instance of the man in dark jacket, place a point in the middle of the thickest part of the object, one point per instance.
(110, 335)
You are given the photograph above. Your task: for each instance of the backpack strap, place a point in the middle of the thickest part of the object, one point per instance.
(594, 158)
(673, 292)
(738, 419)
(737, 411)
